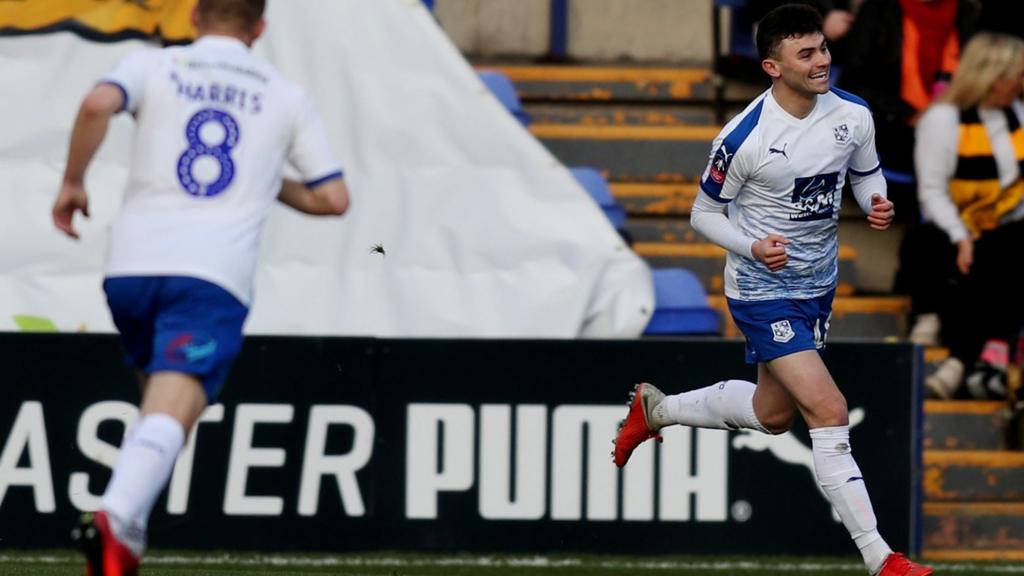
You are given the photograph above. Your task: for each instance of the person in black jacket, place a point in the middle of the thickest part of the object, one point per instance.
(879, 62)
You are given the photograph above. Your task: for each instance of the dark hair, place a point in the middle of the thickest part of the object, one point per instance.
(245, 13)
(786, 21)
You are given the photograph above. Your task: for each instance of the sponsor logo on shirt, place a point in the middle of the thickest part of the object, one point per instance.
(814, 197)
(778, 151)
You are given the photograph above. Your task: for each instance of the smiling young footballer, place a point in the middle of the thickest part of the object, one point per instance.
(770, 196)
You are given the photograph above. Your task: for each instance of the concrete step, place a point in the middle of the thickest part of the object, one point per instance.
(973, 531)
(618, 115)
(853, 317)
(654, 199)
(963, 424)
(973, 476)
(707, 261)
(662, 230)
(632, 153)
(597, 83)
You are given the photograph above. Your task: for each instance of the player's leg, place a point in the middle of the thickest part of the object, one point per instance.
(773, 405)
(725, 405)
(735, 404)
(173, 402)
(178, 395)
(195, 332)
(729, 405)
(806, 379)
(824, 409)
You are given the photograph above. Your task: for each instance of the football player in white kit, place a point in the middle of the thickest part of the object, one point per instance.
(771, 196)
(215, 126)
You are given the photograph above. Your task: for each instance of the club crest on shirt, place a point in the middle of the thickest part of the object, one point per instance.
(842, 133)
(782, 331)
(720, 164)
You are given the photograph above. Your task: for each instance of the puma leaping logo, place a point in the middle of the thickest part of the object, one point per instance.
(787, 448)
(777, 151)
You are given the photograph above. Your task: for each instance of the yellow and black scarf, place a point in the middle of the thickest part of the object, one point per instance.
(975, 187)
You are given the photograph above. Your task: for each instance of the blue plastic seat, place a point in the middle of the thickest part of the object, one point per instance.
(741, 30)
(503, 89)
(681, 305)
(595, 185)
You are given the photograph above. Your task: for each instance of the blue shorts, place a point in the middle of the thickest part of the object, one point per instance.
(776, 328)
(178, 324)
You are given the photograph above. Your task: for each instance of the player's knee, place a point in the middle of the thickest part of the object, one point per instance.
(832, 412)
(778, 423)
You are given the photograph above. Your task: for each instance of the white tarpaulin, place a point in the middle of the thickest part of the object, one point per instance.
(485, 233)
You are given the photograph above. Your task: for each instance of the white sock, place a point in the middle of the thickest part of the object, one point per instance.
(143, 468)
(727, 405)
(841, 478)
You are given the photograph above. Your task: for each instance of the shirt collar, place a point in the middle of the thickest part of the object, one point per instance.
(217, 41)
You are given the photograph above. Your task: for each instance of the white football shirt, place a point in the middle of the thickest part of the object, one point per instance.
(215, 125)
(784, 175)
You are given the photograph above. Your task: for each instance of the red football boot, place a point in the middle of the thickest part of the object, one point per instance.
(105, 555)
(898, 565)
(636, 428)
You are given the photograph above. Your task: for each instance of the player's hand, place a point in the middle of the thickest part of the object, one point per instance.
(771, 251)
(965, 255)
(882, 212)
(72, 198)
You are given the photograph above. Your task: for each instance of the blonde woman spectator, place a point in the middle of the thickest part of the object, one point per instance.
(969, 156)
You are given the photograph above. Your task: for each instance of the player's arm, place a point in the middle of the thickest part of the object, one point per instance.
(324, 192)
(721, 182)
(870, 192)
(866, 178)
(329, 198)
(90, 128)
(708, 217)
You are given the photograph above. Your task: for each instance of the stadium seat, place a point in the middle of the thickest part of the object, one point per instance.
(503, 89)
(741, 29)
(595, 185)
(681, 305)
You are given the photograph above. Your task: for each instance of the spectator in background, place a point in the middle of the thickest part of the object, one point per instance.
(901, 55)
(969, 157)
